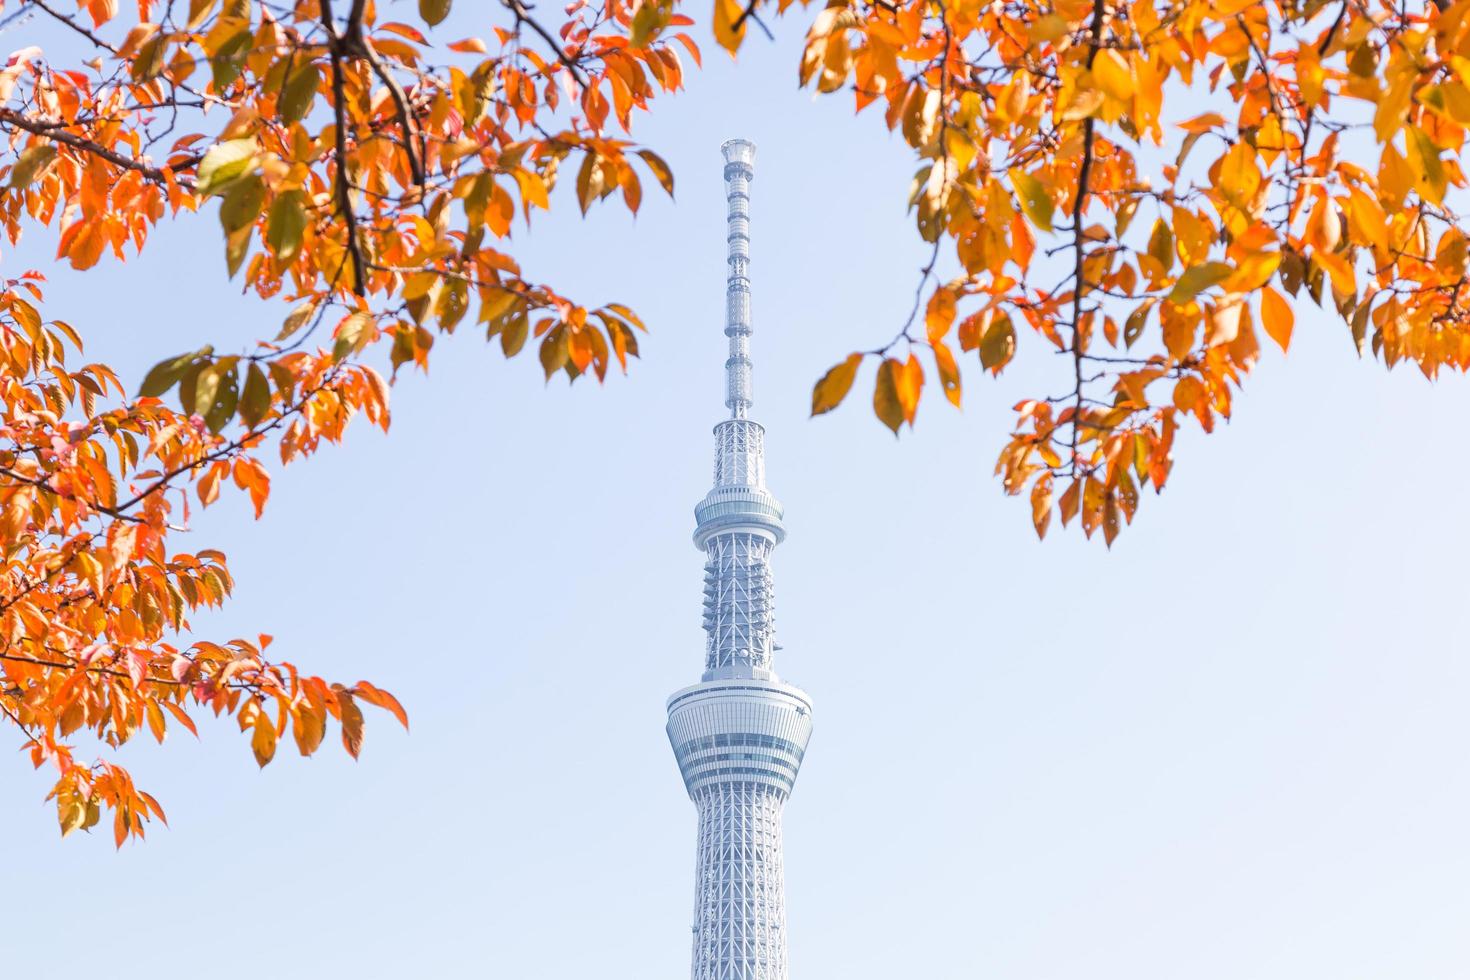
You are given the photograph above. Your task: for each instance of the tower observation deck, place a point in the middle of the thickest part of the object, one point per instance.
(739, 735)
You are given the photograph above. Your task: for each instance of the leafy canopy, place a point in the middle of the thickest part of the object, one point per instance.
(1137, 187)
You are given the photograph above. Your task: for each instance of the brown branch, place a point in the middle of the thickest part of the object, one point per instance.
(24, 728)
(88, 668)
(56, 132)
(523, 16)
(41, 484)
(99, 42)
(162, 483)
(749, 14)
(67, 21)
(355, 44)
(412, 144)
(344, 196)
(1079, 238)
(1342, 13)
(515, 288)
(124, 675)
(33, 586)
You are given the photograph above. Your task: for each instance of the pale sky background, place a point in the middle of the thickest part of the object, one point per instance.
(1234, 748)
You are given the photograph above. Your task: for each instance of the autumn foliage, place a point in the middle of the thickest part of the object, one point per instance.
(1146, 188)
(1138, 190)
(348, 175)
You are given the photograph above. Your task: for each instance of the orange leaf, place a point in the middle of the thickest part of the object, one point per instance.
(885, 395)
(1202, 124)
(182, 717)
(351, 717)
(1071, 497)
(910, 383)
(263, 739)
(208, 488)
(381, 698)
(1041, 505)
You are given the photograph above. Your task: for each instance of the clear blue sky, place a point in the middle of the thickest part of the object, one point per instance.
(1233, 747)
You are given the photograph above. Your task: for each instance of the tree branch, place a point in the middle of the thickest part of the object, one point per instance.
(56, 132)
(523, 16)
(164, 480)
(1079, 238)
(344, 196)
(355, 43)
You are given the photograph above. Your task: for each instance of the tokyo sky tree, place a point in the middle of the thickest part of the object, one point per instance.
(739, 734)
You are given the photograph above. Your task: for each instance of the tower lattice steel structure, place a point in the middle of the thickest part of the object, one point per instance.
(739, 734)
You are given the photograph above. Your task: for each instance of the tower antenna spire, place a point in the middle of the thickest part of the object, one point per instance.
(739, 171)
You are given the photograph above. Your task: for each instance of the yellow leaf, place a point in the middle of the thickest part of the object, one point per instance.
(1187, 393)
(307, 728)
(1223, 324)
(433, 11)
(1324, 226)
(1035, 200)
(1111, 522)
(1161, 244)
(1277, 317)
(1197, 278)
(70, 813)
(1239, 175)
(1425, 162)
(829, 392)
(1049, 27)
(998, 344)
(910, 382)
(224, 163)
(1253, 271)
(728, 13)
(1344, 279)
(533, 188)
(939, 315)
(32, 163)
(885, 395)
(660, 170)
(1395, 179)
(263, 739)
(1366, 220)
(1113, 74)
(949, 372)
(1393, 106)
(1071, 497)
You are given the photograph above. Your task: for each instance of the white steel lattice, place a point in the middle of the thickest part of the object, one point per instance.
(739, 896)
(739, 618)
(740, 454)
